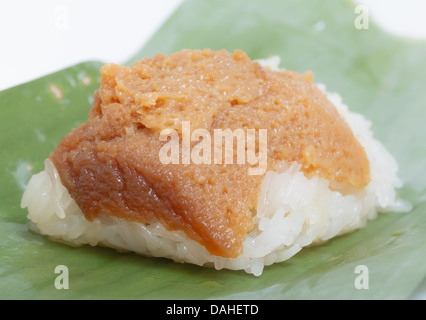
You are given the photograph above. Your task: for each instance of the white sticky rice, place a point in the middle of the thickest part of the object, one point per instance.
(293, 212)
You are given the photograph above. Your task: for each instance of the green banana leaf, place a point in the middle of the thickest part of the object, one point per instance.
(377, 74)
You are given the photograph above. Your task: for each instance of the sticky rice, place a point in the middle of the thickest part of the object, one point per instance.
(292, 212)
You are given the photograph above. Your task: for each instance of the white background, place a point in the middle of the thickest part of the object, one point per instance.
(40, 37)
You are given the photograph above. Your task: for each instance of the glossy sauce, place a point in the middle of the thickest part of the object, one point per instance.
(111, 163)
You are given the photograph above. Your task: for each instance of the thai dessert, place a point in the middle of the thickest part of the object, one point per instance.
(210, 158)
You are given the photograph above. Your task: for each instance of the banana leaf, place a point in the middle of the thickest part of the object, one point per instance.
(377, 74)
